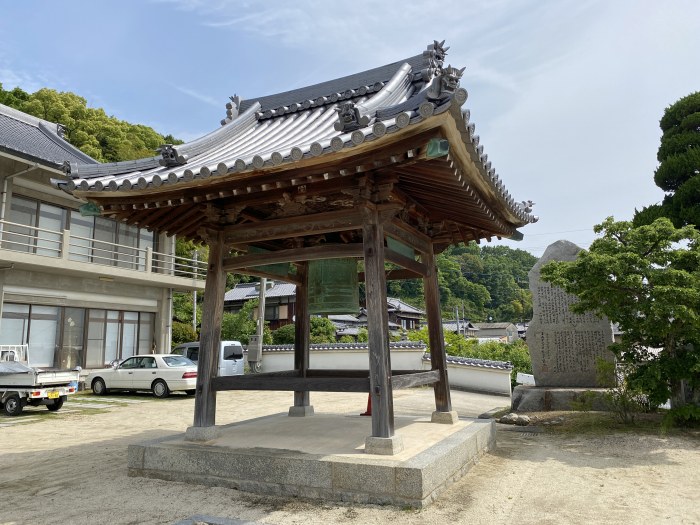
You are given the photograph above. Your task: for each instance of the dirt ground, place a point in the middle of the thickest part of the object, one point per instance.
(70, 467)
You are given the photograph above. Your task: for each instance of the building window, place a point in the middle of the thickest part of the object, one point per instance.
(65, 337)
(38, 228)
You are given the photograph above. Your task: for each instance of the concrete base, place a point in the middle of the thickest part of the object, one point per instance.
(202, 433)
(323, 457)
(384, 446)
(446, 418)
(304, 411)
(542, 399)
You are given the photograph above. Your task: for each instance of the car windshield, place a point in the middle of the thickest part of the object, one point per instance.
(177, 361)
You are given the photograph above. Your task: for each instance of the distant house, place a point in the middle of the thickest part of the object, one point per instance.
(280, 300)
(504, 332)
(403, 314)
(463, 326)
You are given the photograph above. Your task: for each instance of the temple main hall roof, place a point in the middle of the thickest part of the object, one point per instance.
(358, 123)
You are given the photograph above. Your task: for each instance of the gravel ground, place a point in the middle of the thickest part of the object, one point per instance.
(70, 467)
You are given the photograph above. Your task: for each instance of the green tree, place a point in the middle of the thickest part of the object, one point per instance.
(678, 173)
(322, 330)
(647, 279)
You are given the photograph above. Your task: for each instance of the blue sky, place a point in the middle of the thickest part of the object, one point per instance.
(566, 95)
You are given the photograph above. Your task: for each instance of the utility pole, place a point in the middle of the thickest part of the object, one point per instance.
(194, 300)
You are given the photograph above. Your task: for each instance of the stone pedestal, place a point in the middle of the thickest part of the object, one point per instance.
(544, 399)
(446, 418)
(302, 411)
(202, 433)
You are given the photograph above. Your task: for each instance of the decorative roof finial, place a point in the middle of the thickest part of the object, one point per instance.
(171, 157)
(446, 83)
(349, 117)
(232, 109)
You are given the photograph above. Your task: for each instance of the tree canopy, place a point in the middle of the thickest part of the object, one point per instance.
(678, 173)
(482, 282)
(105, 138)
(647, 279)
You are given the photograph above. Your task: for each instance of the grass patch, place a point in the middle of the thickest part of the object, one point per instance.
(600, 423)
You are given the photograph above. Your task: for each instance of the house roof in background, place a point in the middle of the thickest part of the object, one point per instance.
(37, 140)
(398, 305)
(493, 326)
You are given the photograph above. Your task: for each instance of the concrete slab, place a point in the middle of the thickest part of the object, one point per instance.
(322, 457)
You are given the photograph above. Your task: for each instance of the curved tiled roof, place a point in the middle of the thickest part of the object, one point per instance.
(37, 140)
(282, 129)
(479, 363)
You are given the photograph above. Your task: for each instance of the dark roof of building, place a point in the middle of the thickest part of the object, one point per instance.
(478, 363)
(36, 140)
(493, 326)
(398, 345)
(397, 305)
(246, 291)
(274, 132)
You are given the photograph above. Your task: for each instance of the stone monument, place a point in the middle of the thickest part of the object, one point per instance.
(564, 346)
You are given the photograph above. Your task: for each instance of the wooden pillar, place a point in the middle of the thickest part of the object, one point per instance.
(301, 335)
(212, 313)
(438, 359)
(377, 326)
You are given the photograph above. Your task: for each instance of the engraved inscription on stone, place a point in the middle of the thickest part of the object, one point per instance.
(564, 346)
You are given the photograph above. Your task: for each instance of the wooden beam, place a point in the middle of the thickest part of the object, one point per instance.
(291, 384)
(212, 313)
(405, 262)
(377, 325)
(407, 234)
(314, 253)
(256, 272)
(415, 379)
(314, 224)
(438, 359)
(302, 333)
(399, 274)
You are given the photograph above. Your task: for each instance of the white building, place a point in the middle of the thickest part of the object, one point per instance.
(79, 289)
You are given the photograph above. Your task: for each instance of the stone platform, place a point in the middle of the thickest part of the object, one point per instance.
(321, 457)
(546, 398)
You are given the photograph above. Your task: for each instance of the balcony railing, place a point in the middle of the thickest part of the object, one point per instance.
(62, 245)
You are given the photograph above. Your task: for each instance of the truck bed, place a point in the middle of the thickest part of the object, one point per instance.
(15, 374)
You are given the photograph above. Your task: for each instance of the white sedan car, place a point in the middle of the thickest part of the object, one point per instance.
(159, 373)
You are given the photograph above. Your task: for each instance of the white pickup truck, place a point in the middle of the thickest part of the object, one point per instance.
(22, 385)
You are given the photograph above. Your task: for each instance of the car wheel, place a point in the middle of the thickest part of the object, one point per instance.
(57, 404)
(160, 388)
(190, 392)
(13, 405)
(98, 387)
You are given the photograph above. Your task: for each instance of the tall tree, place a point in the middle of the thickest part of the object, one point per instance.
(678, 173)
(647, 279)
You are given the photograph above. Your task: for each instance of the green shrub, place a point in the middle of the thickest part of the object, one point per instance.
(284, 335)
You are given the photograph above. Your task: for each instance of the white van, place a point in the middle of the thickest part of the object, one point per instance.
(230, 356)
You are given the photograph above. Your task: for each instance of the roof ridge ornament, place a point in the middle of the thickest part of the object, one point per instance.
(349, 117)
(446, 83)
(232, 109)
(171, 157)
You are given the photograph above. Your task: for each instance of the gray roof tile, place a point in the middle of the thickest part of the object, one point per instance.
(36, 140)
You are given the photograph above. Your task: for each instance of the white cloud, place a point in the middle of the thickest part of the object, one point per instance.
(200, 96)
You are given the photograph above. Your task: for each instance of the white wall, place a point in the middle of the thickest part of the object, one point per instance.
(465, 377)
